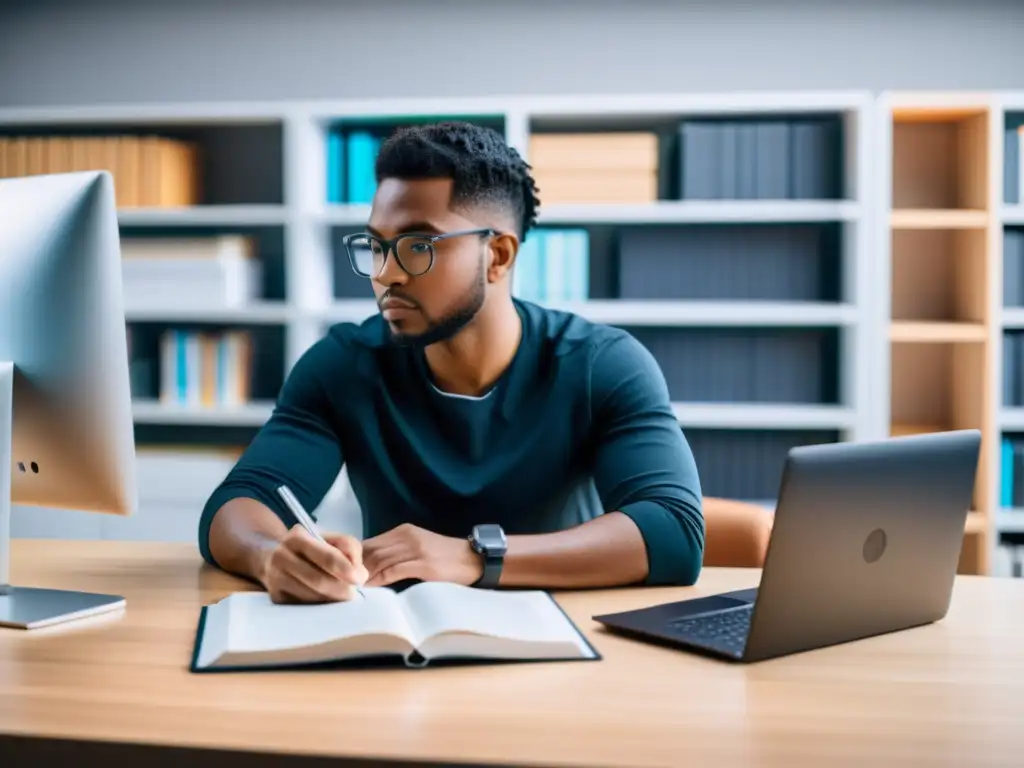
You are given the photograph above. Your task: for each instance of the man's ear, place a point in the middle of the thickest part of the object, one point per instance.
(504, 249)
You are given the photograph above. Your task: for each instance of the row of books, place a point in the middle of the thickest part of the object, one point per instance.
(791, 262)
(739, 159)
(1011, 473)
(205, 369)
(595, 167)
(1013, 368)
(1013, 165)
(1013, 267)
(351, 157)
(199, 272)
(148, 171)
(553, 265)
(776, 159)
(746, 464)
(744, 365)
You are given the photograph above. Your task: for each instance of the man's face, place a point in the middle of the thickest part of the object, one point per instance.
(432, 307)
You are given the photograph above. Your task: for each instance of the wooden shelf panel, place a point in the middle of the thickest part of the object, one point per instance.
(925, 332)
(977, 522)
(939, 218)
(936, 113)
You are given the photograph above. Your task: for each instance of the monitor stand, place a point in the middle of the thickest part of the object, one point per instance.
(32, 607)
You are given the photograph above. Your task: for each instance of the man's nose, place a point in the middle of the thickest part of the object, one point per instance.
(392, 273)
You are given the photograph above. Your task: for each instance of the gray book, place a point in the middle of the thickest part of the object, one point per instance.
(1018, 365)
(1013, 267)
(728, 172)
(1012, 182)
(746, 161)
(700, 161)
(773, 161)
(1009, 366)
(813, 160)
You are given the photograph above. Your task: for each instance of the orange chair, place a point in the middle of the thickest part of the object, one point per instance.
(736, 533)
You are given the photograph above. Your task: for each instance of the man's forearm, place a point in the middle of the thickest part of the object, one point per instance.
(607, 551)
(242, 533)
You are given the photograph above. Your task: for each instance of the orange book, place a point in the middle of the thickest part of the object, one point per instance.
(58, 154)
(127, 181)
(209, 344)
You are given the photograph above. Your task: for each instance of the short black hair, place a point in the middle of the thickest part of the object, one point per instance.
(482, 166)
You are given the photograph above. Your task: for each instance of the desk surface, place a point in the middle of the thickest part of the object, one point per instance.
(951, 693)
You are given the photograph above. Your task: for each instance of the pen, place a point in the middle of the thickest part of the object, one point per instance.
(303, 517)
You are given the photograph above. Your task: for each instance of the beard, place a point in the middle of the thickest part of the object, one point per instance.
(450, 324)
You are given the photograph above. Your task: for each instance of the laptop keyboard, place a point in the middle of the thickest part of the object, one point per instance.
(723, 630)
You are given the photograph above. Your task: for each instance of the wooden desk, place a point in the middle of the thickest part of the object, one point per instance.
(947, 694)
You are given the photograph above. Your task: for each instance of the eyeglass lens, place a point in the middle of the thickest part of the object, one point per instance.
(415, 254)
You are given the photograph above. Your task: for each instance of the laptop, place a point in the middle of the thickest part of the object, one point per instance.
(866, 541)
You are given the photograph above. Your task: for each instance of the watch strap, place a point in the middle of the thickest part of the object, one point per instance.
(492, 564)
(492, 572)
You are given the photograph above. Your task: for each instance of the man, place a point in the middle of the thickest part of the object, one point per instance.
(489, 441)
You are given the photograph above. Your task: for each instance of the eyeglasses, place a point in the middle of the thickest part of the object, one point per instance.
(413, 252)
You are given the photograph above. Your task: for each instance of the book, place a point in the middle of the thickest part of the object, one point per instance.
(425, 623)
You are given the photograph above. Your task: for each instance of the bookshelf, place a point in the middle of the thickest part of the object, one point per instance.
(939, 278)
(1008, 154)
(739, 250)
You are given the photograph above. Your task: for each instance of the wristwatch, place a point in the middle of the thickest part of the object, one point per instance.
(490, 543)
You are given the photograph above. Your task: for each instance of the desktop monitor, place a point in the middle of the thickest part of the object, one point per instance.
(66, 432)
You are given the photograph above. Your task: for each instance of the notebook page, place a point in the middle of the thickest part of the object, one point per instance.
(256, 623)
(528, 616)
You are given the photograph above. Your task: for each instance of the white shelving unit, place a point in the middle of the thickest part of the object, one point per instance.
(1010, 419)
(854, 418)
(309, 305)
(306, 220)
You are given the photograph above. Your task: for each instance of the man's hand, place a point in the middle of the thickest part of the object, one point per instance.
(301, 569)
(410, 552)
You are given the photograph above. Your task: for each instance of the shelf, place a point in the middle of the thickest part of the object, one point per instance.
(155, 412)
(712, 313)
(939, 276)
(939, 219)
(763, 416)
(976, 523)
(936, 387)
(1010, 521)
(1012, 215)
(663, 313)
(343, 215)
(203, 215)
(1011, 419)
(920, 332)
(662, 212)
(1013, 317)
(940, 161)
(936, 113)
(256, 314)
(696, 212)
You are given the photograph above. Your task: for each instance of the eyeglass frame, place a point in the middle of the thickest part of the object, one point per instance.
(391, 246)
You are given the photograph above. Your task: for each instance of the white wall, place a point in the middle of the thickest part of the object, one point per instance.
(83, 52)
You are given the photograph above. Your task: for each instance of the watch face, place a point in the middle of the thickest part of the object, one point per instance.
(491, 538)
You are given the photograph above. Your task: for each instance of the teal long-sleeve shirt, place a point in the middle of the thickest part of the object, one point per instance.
(579, 424)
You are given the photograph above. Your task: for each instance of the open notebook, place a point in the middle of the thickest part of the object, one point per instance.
(427, 622)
